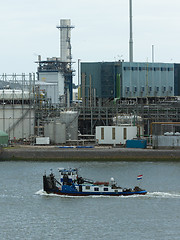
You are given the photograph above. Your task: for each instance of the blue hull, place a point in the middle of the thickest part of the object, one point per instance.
(76, 193)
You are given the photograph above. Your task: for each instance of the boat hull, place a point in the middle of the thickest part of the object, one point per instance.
(96, 194)
(80, 188)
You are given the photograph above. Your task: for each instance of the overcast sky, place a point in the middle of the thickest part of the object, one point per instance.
(101, 33)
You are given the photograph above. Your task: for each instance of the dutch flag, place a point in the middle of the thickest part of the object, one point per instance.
(139, 177)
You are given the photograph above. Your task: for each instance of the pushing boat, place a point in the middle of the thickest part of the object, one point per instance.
(70, 183)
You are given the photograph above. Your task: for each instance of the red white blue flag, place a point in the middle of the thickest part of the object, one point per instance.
(139, 177)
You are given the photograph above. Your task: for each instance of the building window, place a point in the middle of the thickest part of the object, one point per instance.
(102, 133)
(142, 89)
(125, 133)
(96, 189)
(170, 88)
(127, 89)
(126, 68)
(134, 68)
(113, 134)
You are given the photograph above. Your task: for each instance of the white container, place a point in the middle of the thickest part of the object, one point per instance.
(115, 134)
(42, 140)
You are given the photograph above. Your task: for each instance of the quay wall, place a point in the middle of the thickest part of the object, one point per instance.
(43, 153)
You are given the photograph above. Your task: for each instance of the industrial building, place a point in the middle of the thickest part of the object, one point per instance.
(58, 71)
(144, 92)
(26, 111)
(123, 99)
(33, 107)
(17, 99)
(122, 80)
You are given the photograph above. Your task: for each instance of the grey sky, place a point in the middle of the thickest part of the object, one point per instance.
(28, 28)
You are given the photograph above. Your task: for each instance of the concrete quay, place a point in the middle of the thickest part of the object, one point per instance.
(56, 153)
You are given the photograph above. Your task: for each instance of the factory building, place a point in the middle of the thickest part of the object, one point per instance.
(17, 112)
(31, 107)
(118, 80)
(112, 94)
(57, 70)
(177, 79)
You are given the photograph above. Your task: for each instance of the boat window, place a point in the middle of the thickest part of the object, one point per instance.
(106, 189)
(96, 189)
(116, 191)
(87, 187)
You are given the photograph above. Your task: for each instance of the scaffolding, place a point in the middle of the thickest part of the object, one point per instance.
(90, 117)
(140, 114)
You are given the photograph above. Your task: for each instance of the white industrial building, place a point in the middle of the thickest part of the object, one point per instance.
(115, 135)
(57, 70)
(17, 113)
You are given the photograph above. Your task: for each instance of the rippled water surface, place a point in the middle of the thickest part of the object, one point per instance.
(26, 212)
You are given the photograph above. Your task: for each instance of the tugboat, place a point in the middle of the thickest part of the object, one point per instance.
(70, 183)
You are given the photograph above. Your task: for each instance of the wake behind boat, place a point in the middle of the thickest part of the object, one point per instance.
(70, 183)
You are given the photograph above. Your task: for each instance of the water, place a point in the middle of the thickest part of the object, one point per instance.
(26, 212)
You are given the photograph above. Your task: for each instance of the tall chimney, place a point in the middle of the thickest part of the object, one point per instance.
(65, 39)
(131, 34)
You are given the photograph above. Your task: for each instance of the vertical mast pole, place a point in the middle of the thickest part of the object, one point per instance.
(131, 34)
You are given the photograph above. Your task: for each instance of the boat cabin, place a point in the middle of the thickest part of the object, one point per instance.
(68, 175)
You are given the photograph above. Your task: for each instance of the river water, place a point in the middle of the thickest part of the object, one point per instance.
(26, 212)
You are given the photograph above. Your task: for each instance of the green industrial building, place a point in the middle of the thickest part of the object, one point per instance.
(121, 80)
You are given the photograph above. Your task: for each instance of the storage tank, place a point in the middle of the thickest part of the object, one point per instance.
(3, 138)
(56, 131)
(127, 119)
(63, 128)
(70, 118)
(14, 94)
